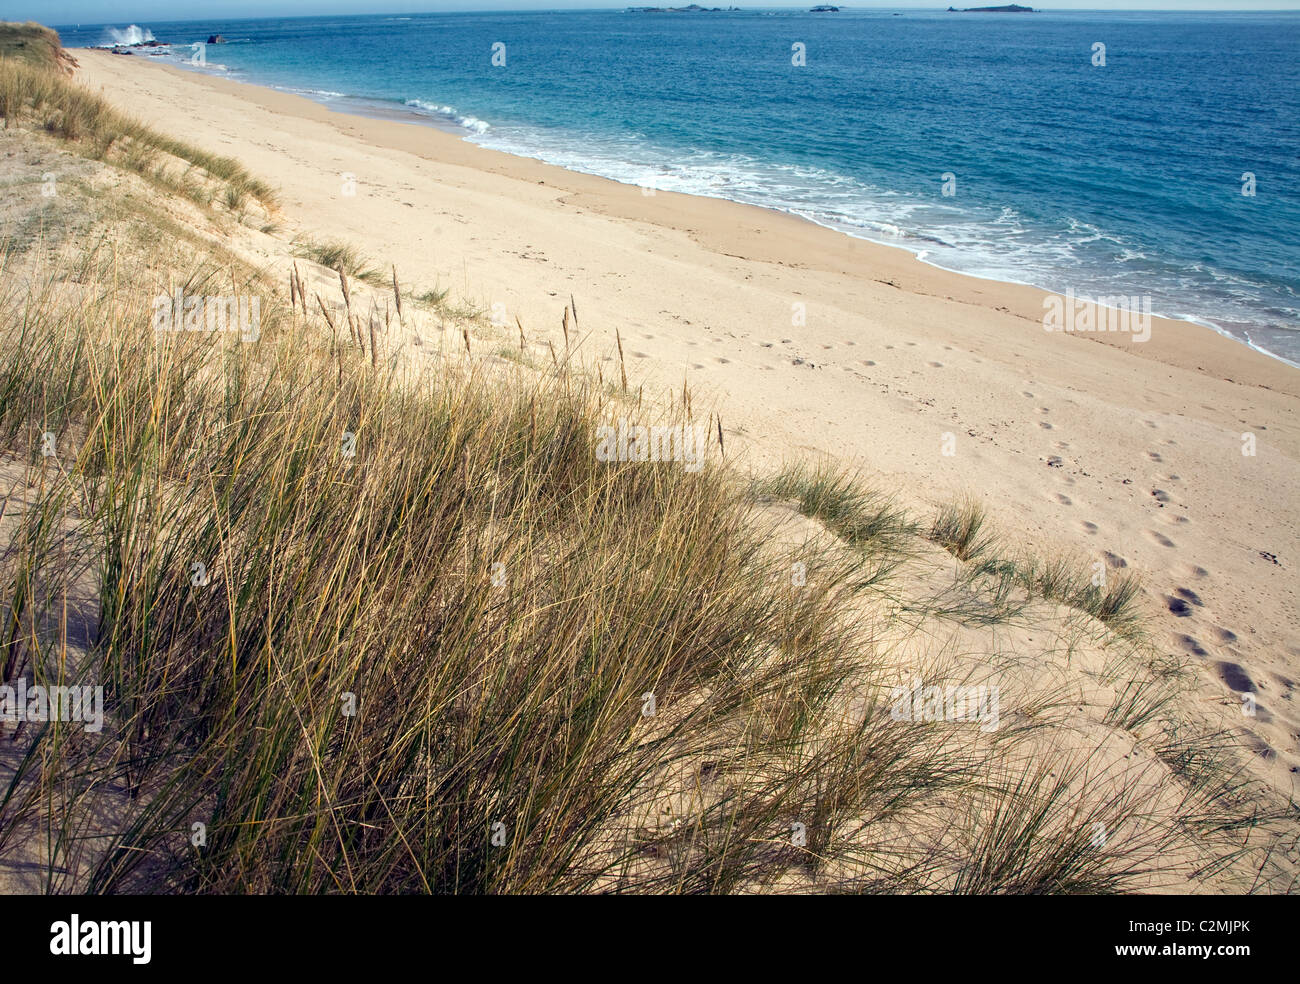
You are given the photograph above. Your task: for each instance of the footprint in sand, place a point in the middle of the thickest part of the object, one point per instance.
(1064, 500)
(867, 362)
(1226, 636)
(1257, 744)
(1154, 456)
(1159, 538)
(1236, 677)
(721, 361)
(1090, 528)
(1114, 561)
(1045, 425)
(1283, 682)
(1027, 393)
(1191, 571)
(1179, 607)
(1190, 644)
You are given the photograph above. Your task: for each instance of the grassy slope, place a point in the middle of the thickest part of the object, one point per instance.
(34, 45)
(427, 664)
(34, 92)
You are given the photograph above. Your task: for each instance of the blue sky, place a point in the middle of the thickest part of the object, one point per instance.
(141, 11)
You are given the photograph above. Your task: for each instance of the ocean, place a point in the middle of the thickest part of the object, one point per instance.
(998, 145)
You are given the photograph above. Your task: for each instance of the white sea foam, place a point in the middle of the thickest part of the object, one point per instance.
(130, 35)
(470, 123)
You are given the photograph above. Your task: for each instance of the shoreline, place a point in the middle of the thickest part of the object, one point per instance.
(401, 114)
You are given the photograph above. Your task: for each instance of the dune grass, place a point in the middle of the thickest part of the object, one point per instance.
(350, 623)
(34, 45)
(339, 255)
(1085, 585)
(871, 523)
(958, 529)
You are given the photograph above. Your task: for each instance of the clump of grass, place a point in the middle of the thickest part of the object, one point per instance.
(1116, 604)
(1110, 598)
(434, 298)
(512, 354)
(235, 197)
(1142, 697)
(1088, 587)
(339, 255)
(1041, 838)
(193, 186)
(439, 300)
(958, 528)
(869, 521)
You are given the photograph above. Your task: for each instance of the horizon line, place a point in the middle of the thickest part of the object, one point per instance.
(724, 8)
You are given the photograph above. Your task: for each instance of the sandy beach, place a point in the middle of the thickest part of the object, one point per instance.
(810, 343)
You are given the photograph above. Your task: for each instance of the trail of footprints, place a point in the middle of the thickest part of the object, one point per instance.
(1206, 640)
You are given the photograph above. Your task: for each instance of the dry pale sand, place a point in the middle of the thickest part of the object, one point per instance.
(1128, 453)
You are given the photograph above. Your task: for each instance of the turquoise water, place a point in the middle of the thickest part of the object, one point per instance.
(1122, 179)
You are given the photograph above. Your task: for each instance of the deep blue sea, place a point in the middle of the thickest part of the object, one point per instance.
(1122, 179)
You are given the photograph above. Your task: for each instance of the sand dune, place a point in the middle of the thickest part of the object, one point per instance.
(809, 342)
